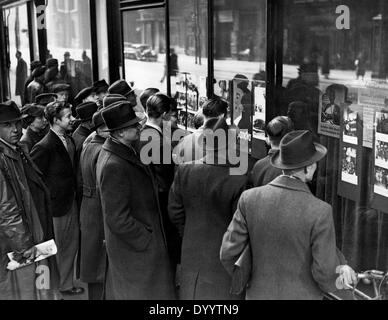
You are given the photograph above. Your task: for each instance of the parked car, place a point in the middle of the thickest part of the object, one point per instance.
(139, 51)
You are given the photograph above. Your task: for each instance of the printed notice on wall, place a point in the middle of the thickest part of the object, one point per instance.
(372, 100)
(380, 199)
(330, 111)
(259, 111)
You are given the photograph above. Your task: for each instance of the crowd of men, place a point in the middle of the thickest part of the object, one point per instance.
(134, 230)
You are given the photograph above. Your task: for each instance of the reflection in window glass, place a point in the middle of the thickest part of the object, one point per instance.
(19, 51)
(68, 41)
(102, 40)
(144, 47)
(188, 59)
(240, 61)
(324, 66)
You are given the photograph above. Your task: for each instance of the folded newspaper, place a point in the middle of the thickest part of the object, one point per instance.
(43, 251)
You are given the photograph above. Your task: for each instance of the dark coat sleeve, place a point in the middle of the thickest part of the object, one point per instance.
(235, 239)
(41, 157)
(324, 251)
(176, 209)
(116, 203)
(12, 228)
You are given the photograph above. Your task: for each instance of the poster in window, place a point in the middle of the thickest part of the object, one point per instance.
(187, 91)
(349, 165)
(330, 111)
(349, 180)
(351, 123)
(242, 109)
(259, 111)
(380, 188)
(372, 100)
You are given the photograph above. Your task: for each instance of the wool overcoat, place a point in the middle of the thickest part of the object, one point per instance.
(201, 204)
(292, 238)
(93, 254)
(138, 264)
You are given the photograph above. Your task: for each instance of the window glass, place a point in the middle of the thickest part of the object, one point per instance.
(240, 62)
(144, 47)
(102, 38)
(69, 41)
(19, 51)
(188, 56)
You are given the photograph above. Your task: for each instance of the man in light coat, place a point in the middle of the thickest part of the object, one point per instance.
(291, 232)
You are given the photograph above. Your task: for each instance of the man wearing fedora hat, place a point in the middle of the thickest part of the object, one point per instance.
(202, 201)
(85, 112)
(25, 216)
(55, 155)
(290, 231)
(37, 86)
(123, 88)
(93, 254)
(138, 263)
(85, 95)
(100, 90)
(45, 98)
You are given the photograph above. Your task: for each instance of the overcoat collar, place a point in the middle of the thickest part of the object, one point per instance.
(291, 184)
(83, 131)
(98, 139)
(122, 151)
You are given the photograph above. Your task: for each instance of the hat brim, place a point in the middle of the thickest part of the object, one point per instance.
(24, 116)
(319, 154)
(125, 125)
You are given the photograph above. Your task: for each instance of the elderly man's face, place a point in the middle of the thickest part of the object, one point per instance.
(11, 132)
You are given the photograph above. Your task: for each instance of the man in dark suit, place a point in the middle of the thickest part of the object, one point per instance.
(263, 172)
(21, 76)
(138, 264)
(291, 232)
(56, 158)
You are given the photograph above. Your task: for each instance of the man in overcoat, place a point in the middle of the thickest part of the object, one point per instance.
(290, 231)
(25, 217)
(56, 158)
(93, 254)
(202, 201)
(138, 262)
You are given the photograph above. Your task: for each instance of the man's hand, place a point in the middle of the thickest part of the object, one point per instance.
(30, 254)
(347, 277)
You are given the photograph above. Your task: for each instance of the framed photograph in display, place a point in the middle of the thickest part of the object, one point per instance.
(380, 179)
(349, 178)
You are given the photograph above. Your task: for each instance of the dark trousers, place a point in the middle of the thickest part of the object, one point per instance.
(95, 291)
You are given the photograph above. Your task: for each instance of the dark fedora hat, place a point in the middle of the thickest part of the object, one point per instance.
(110, 99)
(39, 71)
(50, 63)
(60, 87)
(45, 98)
(35, 64)
(100, 86)
(83, 94)
(86, 110)
(119, 116)
(120, 87)
(297, 150)
(10, 112)
(97, 120)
